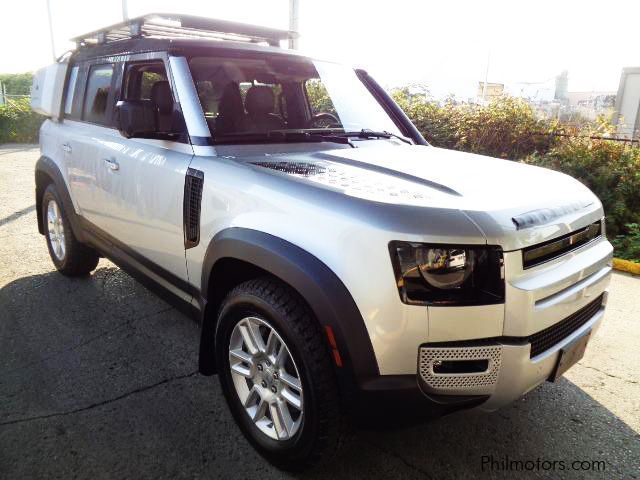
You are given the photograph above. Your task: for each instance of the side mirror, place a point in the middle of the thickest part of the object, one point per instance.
(136, 119)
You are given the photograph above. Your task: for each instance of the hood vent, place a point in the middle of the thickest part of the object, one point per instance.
(368, 183)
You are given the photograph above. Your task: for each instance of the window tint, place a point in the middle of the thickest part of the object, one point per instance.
(97, 95)
(71, 87)
(146, 82)
(141, 78)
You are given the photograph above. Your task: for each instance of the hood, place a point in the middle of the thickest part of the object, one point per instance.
(513, 204)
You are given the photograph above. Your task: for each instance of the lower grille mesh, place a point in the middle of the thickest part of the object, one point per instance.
(547, 338)
(459, 382)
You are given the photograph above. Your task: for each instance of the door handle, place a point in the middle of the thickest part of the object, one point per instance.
(111, 163)
(66, 147)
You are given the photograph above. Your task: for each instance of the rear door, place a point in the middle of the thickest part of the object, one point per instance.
(59, 145)
(89, 130)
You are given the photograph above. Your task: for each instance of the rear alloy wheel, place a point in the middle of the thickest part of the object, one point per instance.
(70, 257)
(276, 374)
(55, 230)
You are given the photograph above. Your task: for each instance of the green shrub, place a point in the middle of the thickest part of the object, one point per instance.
(628, 246)
(18, 123)
(610, 169)
(506, 128)
(17, 83)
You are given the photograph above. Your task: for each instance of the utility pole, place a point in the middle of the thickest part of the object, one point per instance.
(53, 47)
(294, 18)
(486, 78)
(125, 11)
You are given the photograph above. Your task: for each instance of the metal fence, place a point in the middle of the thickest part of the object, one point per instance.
(7, 98)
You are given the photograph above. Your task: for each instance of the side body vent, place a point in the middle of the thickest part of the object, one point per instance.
(193, 183)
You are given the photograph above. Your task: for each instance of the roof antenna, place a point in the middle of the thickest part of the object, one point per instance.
(125, 10)
(294, 21)
(53, 46)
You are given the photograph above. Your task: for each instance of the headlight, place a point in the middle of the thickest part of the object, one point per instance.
(448, 274)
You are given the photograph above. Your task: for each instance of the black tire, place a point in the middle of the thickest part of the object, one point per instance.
(319, 435)
(77, 259)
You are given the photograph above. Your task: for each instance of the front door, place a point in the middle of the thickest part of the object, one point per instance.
(143, 179)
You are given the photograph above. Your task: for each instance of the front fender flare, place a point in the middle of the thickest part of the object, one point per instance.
(324, 292)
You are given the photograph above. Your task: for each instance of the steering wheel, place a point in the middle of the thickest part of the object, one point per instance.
(324, 120)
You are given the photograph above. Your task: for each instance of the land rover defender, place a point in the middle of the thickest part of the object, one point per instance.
(338, 265)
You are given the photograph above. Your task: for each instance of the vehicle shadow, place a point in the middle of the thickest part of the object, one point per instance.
(97, 375)
(558, 422)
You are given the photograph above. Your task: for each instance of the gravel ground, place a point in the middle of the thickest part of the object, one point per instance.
(98, 380)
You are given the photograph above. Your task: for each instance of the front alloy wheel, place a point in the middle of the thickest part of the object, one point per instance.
(266, 378)
(276, 374)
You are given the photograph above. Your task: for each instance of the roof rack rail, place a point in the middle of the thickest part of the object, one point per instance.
(168, 25)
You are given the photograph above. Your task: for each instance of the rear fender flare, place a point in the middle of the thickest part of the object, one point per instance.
(46, 167)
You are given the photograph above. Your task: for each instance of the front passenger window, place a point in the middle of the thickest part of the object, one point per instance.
(147, 82)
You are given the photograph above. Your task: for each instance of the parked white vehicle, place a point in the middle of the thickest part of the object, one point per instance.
(339, 266)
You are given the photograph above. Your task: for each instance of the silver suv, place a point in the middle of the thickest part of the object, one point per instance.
(338, 265)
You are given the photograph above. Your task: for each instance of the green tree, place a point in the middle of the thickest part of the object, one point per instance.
(319, 99)
(17, 83)
(18, 123)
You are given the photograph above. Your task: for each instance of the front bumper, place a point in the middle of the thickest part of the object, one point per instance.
(511, 373)
(513, 365)
(522, 374)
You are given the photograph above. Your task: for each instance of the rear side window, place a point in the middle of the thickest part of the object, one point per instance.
(71, 87)
(96, 100)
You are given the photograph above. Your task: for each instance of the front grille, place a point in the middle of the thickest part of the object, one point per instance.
(458, 383)
(543, 252)
(193, 183)
(547, 338)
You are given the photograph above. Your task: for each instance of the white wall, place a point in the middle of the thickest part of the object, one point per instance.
(628, 102)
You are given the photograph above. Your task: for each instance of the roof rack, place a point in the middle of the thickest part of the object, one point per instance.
(183, 26)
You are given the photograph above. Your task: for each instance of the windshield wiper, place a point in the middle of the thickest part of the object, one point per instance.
(282, 136)
(315, 136)
(368, 133)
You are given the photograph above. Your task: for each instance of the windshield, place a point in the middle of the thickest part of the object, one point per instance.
(256, 97)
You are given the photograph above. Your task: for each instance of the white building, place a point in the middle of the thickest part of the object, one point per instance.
(626, 115)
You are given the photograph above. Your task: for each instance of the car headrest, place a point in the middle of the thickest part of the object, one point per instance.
(161, 96)
(260, 100)
(231, 101)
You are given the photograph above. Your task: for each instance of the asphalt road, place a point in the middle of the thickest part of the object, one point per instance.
(97, 380)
